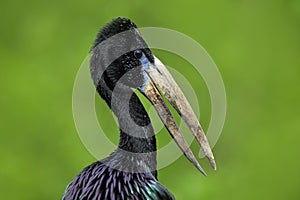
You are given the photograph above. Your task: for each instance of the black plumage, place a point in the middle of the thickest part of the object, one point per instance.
(121, 61)
(121, 175)
(100, 181)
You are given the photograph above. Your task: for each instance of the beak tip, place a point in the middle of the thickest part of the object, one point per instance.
(209, 155)
(201, 170)
(213, 163)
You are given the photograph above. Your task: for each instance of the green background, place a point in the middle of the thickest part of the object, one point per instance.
(255, 44)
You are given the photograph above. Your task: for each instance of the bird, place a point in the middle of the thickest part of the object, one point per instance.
(122, 64)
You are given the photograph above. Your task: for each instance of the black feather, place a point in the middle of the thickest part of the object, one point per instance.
(103, 180)
(116, 26)
(130, 171)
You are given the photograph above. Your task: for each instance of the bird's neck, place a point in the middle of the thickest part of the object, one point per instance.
(137, 133)
(137, 138)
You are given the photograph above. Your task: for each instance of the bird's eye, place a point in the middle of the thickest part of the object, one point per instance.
(138, 54)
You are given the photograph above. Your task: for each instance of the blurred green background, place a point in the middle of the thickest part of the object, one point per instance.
(255, 44)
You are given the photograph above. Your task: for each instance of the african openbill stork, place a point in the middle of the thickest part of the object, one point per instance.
(120, 62)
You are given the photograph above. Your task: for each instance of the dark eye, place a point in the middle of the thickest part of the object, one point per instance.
(138, 54)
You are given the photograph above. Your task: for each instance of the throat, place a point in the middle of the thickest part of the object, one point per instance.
(137, 139)
(136, 132)
(137, 144)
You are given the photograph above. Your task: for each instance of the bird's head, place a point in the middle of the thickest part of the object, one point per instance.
(120, 56)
